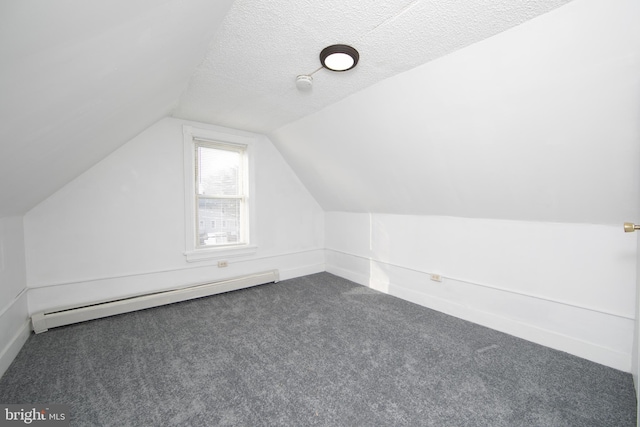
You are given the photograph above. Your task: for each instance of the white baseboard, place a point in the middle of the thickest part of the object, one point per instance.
(587, 350)
(292, 273)
(11, 350)
(89, 291)
(44, 320)
(14, 329)
(603, 338)
(361, 279)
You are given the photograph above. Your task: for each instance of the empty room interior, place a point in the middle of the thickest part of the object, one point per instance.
(239, 212)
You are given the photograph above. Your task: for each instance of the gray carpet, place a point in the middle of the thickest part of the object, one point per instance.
(313, 351)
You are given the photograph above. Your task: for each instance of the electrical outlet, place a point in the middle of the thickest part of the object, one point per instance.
(223, 264)
(436, 278)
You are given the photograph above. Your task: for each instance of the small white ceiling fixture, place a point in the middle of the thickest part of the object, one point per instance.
(339, 57)
(304, 82)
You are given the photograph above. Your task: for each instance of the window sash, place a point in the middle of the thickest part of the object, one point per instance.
(242, 221)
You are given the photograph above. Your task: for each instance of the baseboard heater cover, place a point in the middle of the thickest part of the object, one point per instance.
(43, 321)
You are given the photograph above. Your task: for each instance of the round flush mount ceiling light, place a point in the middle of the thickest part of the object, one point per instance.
(339, 57)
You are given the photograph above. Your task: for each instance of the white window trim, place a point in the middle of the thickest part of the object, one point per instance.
(192, 253)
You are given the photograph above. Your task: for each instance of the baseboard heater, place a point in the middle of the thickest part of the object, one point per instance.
(42, 322)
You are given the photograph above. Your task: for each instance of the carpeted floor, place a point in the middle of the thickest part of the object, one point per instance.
(317, 350)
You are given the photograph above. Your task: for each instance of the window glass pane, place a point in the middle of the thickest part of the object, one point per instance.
(219, 221)
(218, 172)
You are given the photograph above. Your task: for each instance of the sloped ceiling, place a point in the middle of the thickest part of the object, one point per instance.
(539, 123)
(79, 78)
(247, 79)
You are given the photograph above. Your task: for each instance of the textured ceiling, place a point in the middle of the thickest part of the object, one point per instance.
(247, 79)
(79, 79)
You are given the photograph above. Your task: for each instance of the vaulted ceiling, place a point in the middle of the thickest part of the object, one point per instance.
(538, 123)
(81, 78)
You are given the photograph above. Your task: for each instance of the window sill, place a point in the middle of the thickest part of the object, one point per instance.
(219, 253)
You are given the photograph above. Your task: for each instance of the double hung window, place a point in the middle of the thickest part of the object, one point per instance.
(220, 194)
(217, 189)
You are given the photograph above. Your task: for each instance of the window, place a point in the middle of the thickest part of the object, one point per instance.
(220, 193)
(217, 188)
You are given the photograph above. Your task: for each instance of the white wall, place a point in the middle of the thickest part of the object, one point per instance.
(535, 127)
(14, 322)
(567, 286)
(536, 130)
(118, 229)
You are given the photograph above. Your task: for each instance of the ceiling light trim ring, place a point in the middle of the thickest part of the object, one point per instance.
(337, 50)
